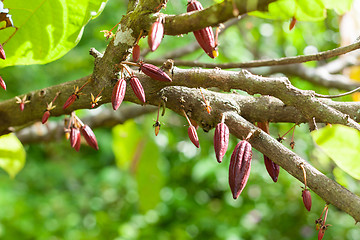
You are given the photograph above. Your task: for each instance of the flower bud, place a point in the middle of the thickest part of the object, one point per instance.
(89, 136)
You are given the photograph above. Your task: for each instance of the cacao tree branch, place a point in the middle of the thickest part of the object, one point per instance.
(179, 98)
(304, 101)
(271, 62)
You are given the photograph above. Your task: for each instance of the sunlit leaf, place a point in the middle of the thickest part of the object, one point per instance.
(303, 10)
(51, 28)
(342, 145)
(126, 137)
(12, 154)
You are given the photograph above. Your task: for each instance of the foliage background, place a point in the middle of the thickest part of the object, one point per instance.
(169, 189)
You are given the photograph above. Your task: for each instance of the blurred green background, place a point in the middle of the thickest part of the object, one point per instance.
(138, 186)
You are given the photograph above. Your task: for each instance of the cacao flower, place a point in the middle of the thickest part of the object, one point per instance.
(306, 196)
(89, 136)
(2, 52)
(205, 36)
(137, 88)
(155, 35)
(136, 53)
(70, 101)
(118, 93)
(221, 140)
(157, 126)
(272, 168)
(45, 116)
(154, 72)
(2, 83)
(193, 136)
(239, 169)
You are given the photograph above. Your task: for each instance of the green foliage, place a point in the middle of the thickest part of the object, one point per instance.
(341, 144)
(12, 154)
(47, 29)
(303, 10)
(172, 190)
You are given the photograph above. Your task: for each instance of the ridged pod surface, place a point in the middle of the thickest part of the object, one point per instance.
(205, 36)
(239, 169)
(137, 88)
(2, 83)
(89, 136)
(69, 101)
(118, 93)
(272, 168)
(2, 52)
(193, 136)
(74, 136)
(155, 35)
(154, 72)
(221, 141)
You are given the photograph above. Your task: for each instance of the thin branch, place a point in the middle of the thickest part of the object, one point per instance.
(271, 62)
(338, 95)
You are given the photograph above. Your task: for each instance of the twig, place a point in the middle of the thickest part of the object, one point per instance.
(338, 95)
(271, 62)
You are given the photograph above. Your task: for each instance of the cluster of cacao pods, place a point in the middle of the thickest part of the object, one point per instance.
(75, 129)
(240, 162)
(205, 37)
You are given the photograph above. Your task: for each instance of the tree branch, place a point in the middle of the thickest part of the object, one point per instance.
(183, 98)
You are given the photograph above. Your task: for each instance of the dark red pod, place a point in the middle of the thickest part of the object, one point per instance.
(194, 5)
(221, 140)
(137, 88)
(306, 196)
(74, 136)
(272, 168)
(118, 93)
(154, 72)
(2, 83)
(78, 142)
(205, 36)
(156, 34)
(2, 52)
(45, 116)
(70, 101)
(136, 53)
(239, 169)
(193, 136)
(89, 136)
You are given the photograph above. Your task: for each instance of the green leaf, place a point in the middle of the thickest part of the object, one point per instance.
(342, 145)
(12, 154)
(148, 176)
(339, 6)
(125, 140)
(47, 29)
(303, 10)
(134, 151)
